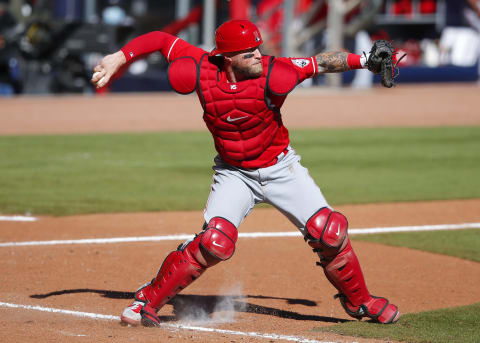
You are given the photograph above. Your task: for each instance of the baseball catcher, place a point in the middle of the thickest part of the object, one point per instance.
(241, 93)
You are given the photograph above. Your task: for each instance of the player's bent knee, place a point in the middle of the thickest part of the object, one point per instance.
(219, 238)
(326, 232)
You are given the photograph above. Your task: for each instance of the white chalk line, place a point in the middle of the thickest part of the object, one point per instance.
(183, 237)
(165, 325)
(17, 219)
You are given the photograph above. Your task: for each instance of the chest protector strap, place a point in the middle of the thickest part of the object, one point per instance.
(183, 74)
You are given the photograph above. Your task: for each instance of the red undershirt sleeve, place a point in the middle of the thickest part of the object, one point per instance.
(355, 61)
(171, 47)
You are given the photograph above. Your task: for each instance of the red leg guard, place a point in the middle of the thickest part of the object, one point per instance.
(345, 274)
(177, 272)
(327, 234)
(183, 266)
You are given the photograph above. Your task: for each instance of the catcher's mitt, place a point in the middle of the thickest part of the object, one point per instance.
(382, 60)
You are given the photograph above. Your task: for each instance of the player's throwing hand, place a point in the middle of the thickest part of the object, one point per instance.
(107, 67)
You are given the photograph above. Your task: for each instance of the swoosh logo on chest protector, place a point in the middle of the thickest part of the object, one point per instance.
(231, 120)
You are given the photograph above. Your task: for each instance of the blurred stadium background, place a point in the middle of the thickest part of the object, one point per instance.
(51, 46)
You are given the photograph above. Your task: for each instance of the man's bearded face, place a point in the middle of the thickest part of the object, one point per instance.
(248, 63)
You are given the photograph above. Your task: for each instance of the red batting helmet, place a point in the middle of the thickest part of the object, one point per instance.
(236, 35)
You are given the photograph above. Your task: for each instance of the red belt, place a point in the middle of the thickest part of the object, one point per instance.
(275, 160)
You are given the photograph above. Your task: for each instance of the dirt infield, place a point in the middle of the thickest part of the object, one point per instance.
(270, 287)
(404, 106)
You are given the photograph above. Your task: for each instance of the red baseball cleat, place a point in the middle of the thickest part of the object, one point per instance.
(140, 312)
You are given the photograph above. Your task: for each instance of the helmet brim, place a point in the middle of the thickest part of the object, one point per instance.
(214, 52)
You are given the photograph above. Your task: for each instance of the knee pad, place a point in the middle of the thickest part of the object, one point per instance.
(326, 232)
(218, 238)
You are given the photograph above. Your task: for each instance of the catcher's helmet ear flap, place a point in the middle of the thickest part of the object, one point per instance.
(236, 35)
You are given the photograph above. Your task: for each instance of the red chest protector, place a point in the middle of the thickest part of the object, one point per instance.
(246, 127)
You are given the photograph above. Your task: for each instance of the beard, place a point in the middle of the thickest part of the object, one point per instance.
(249, 72)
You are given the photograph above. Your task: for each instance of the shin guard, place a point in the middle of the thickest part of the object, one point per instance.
(327, 235)
(181, 267)
(177, 272)
(345, 274)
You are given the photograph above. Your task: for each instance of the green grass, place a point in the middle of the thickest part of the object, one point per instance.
(453, 325)
(394, 164)
(459, 243)
(72, 174)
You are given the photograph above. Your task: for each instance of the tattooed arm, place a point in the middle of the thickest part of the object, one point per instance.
(332, 62)
(326, 62)
(337, 62)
